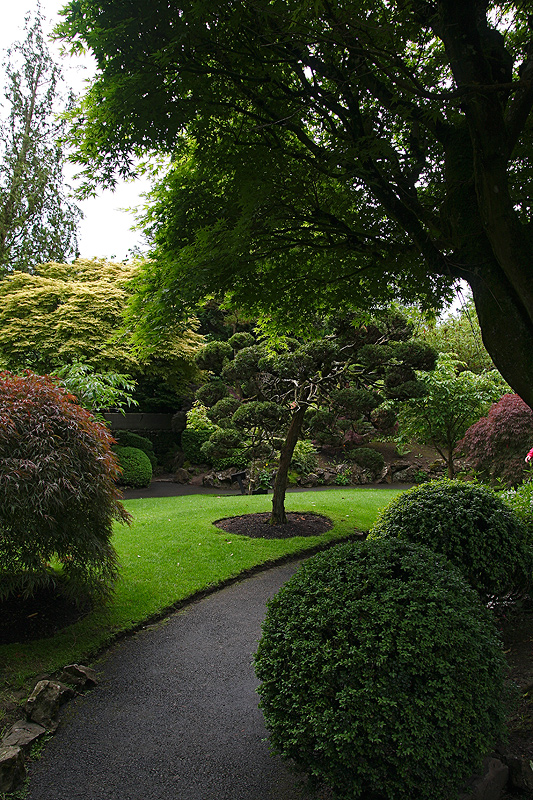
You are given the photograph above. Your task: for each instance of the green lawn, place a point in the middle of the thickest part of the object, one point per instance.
(172, 551)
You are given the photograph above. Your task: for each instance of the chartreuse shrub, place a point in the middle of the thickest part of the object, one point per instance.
(198, 431)
(135, 466)
(382, 673)
(58, 496)
(470, 525)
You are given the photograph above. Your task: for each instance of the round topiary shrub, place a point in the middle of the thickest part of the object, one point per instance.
(365, 457)
(58, 493)
(470, 525)
(382, 672)
(135, 465)
(130, 439)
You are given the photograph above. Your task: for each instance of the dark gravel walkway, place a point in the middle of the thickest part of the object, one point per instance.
(175, 716)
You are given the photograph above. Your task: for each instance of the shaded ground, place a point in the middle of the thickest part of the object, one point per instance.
(37, 617)
(517, 632)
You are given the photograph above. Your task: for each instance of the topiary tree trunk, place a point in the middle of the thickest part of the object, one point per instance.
(279, 516)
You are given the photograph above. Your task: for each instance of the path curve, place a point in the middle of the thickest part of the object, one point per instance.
(175, 715)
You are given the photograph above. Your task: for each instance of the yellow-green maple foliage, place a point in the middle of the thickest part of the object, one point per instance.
(64, 312)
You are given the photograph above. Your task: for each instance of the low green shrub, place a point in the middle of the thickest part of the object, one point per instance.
(382, 672)
(191, 443)
(135, 465)
(238, 460)
(368, 459)
(470, 525)
(304, 458)
(130, 439)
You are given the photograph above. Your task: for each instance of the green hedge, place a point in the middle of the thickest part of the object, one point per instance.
(368, 459)
(135, 465)
(130, 439)
(470, 525)
(382, 672)
(191, 444)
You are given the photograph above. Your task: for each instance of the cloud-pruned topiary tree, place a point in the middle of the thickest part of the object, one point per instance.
(266, 399)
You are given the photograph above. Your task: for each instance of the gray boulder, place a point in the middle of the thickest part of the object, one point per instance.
(12, 770)
(43, 703)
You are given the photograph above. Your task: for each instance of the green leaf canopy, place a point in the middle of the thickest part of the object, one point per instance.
(324, 153)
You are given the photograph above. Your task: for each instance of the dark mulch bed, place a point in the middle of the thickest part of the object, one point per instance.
(37, 617)
(256, 525)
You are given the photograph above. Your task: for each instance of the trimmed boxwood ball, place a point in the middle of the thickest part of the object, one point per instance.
(127, 438)
(382, 672)
(469, 524)
(135, 465)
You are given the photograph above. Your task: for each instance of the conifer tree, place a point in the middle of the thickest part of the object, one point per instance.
(38, 219)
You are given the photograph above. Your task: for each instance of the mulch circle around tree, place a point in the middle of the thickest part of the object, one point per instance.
(37, 617)
(257, 525)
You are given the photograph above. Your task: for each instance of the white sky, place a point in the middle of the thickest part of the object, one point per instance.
(105, 229)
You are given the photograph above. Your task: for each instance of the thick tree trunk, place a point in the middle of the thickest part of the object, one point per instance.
(507, 331)
(493, 248)
(278, 516)
(496, 272)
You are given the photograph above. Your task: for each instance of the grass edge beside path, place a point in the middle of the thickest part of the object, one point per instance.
(171, 555)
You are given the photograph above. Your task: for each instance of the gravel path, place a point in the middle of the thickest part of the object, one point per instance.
(175, 716)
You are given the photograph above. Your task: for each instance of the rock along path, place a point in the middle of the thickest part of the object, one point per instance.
(175, 715)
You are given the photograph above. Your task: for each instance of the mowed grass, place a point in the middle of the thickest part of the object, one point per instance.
(171, 552)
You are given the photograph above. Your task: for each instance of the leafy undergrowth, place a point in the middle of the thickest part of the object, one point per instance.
(172, 552)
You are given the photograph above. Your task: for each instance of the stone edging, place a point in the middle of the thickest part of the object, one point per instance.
(40, 718)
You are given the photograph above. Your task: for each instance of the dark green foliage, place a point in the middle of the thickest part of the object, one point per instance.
(470, 525)
(238, 460)
(135, 465)
(223, 409)
(211, 392)
(191, 443)
(130, 439)
(58, 496)
(382, 672)
(367, 458)
(240, 340)
(213, 356)
(354, 401)
(244, 366)
(165, 444)
(225, 448)
(261, 414)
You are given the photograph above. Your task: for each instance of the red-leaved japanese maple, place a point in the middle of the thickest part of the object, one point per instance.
(58, 495)
(497, 445)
